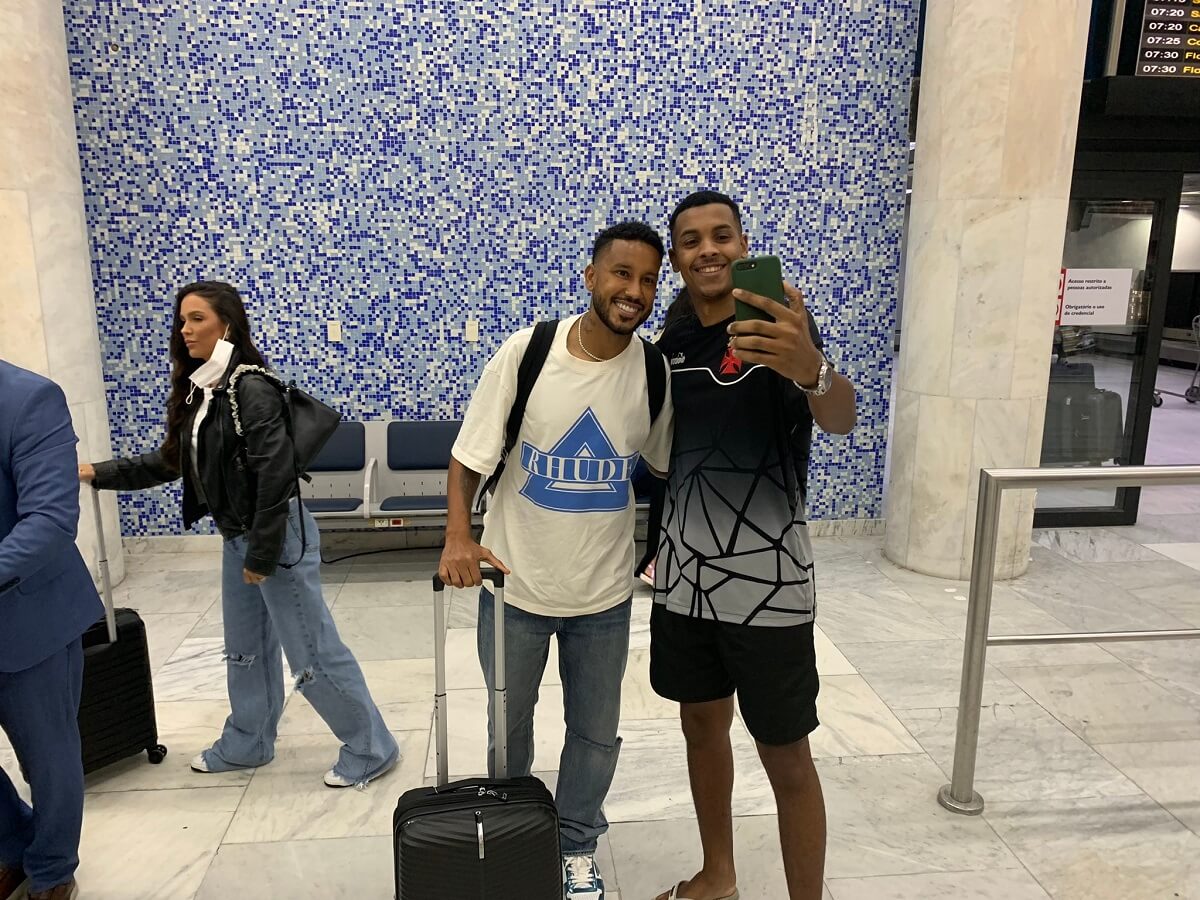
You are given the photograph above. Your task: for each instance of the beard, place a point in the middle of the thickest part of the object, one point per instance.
(606, 312)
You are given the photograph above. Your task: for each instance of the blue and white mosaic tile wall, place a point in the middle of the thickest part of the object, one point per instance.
(401, 166)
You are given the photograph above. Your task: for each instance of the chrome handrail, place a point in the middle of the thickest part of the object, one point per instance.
(959, 796)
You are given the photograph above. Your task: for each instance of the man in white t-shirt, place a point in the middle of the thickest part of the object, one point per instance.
(561, 524)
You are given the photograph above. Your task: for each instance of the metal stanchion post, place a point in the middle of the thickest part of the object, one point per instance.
(959, 796)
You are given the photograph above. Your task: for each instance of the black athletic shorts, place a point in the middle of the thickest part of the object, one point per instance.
(773, 670)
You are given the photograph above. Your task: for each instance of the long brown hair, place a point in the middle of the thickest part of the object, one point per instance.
(227, 304)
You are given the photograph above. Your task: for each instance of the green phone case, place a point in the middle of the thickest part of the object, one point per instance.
(758, 275)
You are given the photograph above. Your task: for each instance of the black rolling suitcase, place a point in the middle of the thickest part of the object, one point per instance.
(478, 839)
(116, 708)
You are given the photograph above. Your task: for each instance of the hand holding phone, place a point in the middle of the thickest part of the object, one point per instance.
(759, 275)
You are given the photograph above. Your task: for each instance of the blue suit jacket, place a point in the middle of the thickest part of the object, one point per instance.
(47, 598)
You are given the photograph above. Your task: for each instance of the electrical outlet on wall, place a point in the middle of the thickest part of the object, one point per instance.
(333, 330)
(471, 331)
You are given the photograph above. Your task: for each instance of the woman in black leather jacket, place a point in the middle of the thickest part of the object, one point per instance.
(234, 454)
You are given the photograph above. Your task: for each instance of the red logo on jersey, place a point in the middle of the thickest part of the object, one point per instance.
(730, 364)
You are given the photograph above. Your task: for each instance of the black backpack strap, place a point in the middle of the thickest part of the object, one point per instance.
(527, 375)
(656, 394)
(656, 379)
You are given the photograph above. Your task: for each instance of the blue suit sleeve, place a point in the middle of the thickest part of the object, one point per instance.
(44, 473)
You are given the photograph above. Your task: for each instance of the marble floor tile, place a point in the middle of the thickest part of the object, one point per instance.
(171, 561)
(287, 801)
(883, 819)
(850, 573)
(164, 592)
(1018, 656)
(467, 732)
(389, 593)
(345, 868)
(652, 783)
(462, 661)
(1109, 703)
(639, 623)
(462, 609)
(8, 762)
(185, 728)
(830, 660)
(195, 671)
(1171, 664)
(1169, 771)
(1083, 603)
(830, 548)
(1137, 576)
(855, 722)
(652, 856)
(1093, 545)
(1092, 849)
(638, 699)
(165, 632)
(149, 845)
(924, 674)
(1001, 884)
(1188, 554)
(1024, 754)
(186, 543)
(1161, 529)
(387, 632)
(402, 688)
(883, 615)
(1181, 600)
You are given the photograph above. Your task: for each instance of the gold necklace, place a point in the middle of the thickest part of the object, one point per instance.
(579, 337)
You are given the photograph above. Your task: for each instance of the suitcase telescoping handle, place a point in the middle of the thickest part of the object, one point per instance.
(499, 687)
(110, 615)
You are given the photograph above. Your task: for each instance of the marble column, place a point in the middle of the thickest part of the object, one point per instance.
(998, 113)
(47, 307)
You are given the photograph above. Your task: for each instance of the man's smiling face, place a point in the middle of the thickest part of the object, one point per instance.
(704, 244)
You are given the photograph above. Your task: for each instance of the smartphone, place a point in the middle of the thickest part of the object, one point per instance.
(758, 275)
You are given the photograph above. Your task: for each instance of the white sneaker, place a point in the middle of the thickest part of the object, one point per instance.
(334, 780)
(581, 878)
(199, 763)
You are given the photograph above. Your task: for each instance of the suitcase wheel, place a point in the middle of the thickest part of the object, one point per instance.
(1158, 401)
(1192, 395)
(156, 754)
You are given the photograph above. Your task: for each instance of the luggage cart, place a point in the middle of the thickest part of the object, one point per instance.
(1192, 394)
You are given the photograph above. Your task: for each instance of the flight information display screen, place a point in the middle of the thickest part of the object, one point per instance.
(1170, 43)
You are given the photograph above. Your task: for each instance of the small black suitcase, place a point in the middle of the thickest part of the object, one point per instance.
(1101, 432)
(477, 839)
(116, 707)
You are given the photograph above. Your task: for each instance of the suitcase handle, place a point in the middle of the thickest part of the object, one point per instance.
(499, 687)
(110, 616)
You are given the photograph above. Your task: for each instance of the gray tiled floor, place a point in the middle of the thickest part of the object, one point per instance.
(1089, 757)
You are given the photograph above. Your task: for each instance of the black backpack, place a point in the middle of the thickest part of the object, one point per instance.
(527, 375)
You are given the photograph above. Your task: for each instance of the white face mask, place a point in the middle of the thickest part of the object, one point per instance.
(214, 367)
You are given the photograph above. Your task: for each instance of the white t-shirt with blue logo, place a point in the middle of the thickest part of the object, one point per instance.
(563, 513)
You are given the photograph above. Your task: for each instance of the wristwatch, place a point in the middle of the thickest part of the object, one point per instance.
(824, 379)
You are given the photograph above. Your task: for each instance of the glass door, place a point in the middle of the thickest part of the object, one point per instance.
(1112, 297)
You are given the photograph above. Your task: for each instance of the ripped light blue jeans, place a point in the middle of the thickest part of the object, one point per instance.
(288, 612)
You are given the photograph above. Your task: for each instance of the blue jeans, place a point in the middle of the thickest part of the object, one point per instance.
(288, 611)
(39, 710)
(592, 651)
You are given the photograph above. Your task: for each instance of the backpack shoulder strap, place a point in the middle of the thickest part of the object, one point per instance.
(527, 374)
(656, 378)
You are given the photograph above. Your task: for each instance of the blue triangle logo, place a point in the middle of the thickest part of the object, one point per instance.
(582, 472)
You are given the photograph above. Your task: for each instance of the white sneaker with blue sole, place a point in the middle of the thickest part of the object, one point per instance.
(581, 878)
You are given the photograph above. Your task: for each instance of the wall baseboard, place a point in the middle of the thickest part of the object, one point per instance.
(337, 544)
